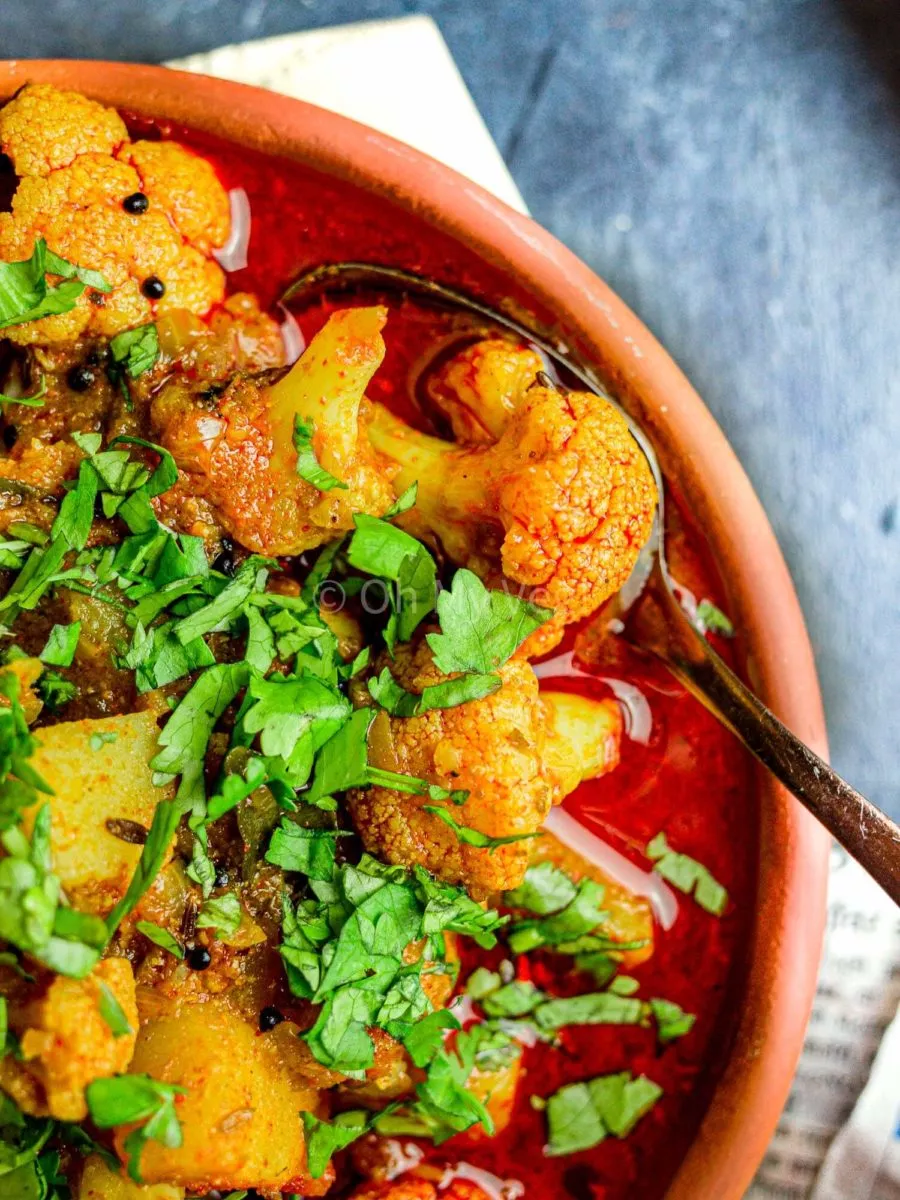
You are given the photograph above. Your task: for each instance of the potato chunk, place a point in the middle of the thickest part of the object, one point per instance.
(241, 1114)
(630, 917)
(66, 1043)
(95, 780)
(99, 1182)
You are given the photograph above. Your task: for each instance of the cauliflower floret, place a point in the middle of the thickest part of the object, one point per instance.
(66, 1042)
(186, 189)
(498, 749)
(235, 445)
(43, 128)
(479, 389)
(562, 503)
(77, 168)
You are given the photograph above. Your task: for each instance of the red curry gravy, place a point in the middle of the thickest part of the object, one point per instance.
(689, 778)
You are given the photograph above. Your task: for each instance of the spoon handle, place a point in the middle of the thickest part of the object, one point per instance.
(659, 624)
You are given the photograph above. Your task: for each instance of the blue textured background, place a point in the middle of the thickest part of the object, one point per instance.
(732, 168)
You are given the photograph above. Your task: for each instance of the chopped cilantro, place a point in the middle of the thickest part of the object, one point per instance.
(19, 782)
(61, 645)
(385, 690)
(713, 619)
(688, 875)
(474, 837)
(184, 737)
(129, 1099)
(35, 400)
(383, 550)
(160, 937)
(581, 1115)
(308, 466)
(545, 889)
(323, 1138)
(309, 851)
(671, 1020)
(100, 739)
(31, 916)
(153, 853)
(134, 351)
(404, 502)
(112, 1012)
(221, 913)
(26, 294)
(480, 629)
(593, 1008)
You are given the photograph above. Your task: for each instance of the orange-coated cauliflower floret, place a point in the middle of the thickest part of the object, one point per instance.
(66, 1042)
(77, 169)
(478, 390)
(235, 444)
(42, 128)
(515, 752)
(561, 504)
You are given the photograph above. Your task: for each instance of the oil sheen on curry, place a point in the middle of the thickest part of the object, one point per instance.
(346, 850)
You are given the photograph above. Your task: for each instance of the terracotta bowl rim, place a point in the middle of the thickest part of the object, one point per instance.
(786, 939)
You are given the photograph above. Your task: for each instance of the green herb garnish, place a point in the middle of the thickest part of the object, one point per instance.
(688, 875)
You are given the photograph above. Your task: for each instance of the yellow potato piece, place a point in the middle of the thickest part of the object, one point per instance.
(241, 1115)
(630, 917)
(98, 1182)
(92, 786)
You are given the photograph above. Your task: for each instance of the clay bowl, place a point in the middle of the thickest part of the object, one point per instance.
(786, 931)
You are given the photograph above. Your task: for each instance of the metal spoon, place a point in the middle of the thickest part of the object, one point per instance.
(653, 618)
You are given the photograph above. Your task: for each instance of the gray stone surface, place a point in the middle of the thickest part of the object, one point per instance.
(732, 168)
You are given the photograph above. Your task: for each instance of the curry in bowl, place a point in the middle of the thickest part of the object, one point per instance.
(346, 848)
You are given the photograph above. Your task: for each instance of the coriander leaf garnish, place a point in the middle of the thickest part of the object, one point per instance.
(581, 1115)
(153, 853)
(19, 782)
(481, 629)
(324, 1138)
(31, 916)
(385, 690)
(250, 577)
(308, 851)
(160, 937)
(474, 837)
(27, 295)
(544, 890)
(134, 351)
(128, 1099)
(565, 927)
(688, 875)
(592, 1008)
(671, 1020)
(221, 913)
(61, 645)
(184, 737)
(308, 466)
(383, 550)
(426, 1037)
(404, 502)
(713, 619)
(112, 1012)
(35, 400)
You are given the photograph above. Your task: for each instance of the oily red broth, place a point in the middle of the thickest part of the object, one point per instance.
(688, 778)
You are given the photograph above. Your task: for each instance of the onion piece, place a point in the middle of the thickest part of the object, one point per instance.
(642, 883)
(492, 1185)
(291, 335)
(233, 255)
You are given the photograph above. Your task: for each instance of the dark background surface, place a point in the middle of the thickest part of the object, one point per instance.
(732, 168)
